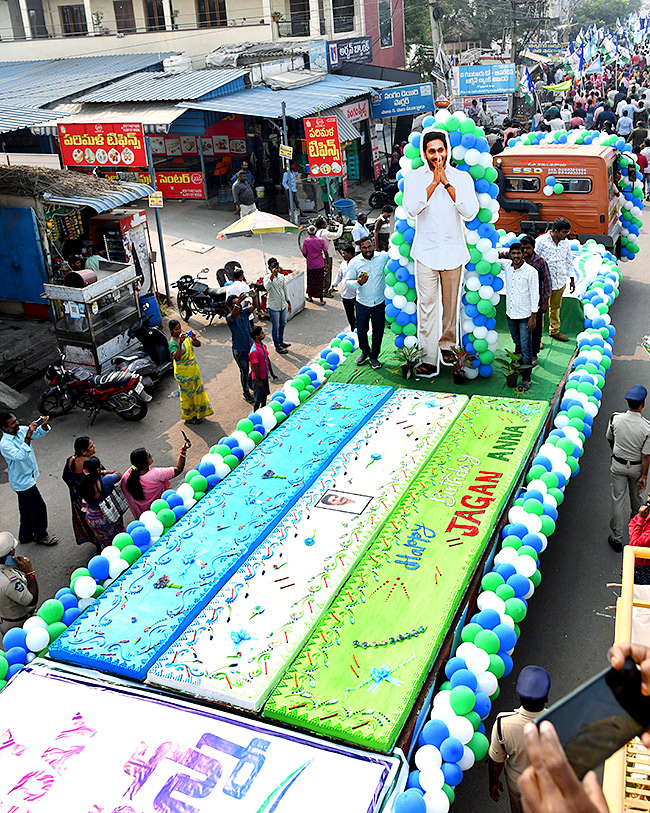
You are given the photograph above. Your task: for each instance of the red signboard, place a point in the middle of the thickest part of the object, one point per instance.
(180, 185)
(323, 147)
(103, 145)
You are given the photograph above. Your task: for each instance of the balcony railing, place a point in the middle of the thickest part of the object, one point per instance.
(297, 25)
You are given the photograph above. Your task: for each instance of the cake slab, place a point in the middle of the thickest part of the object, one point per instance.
(100, 747)
(240, 644)
(127, 628)
(358, 676)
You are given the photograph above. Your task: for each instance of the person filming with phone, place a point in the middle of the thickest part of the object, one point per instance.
(18, 586)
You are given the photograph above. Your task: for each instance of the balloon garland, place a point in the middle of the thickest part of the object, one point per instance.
(470, 153)
(88, 583)
(632, 191)
(455, 735)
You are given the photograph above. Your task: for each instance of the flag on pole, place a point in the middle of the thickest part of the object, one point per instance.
(595, 67)
(526, 88)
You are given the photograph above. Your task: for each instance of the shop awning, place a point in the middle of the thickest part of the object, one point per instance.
(17, 118)
(109, 200)
(300, 102)
(347, 132)
(156, 118)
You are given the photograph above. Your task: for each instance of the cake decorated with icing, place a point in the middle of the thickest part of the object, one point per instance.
(357, 677)
(239, 646)
(138, 616)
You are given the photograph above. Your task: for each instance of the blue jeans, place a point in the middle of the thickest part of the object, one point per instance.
(278, 321)
(366, 315)
(523, 339)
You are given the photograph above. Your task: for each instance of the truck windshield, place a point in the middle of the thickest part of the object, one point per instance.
(522, 184)
(580, 186)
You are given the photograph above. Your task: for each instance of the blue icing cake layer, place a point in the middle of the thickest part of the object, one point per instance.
(129, 626)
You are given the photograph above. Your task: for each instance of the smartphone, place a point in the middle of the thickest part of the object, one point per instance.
(9, 560)
(39, 422)
(189, 333)
(600, 716)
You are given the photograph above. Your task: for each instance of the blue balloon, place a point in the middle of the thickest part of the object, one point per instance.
(213, 479)
(409, 234)
(205, 467)
(507, 662)
(142, 536)
(481, 186)
(403, 274)
(399, 340)
(165, 495)
(180, 510)
(481, 144)
(485, 370)
(278, 396)
(551, 180)
(480, 320)
(542, 460)
(488, 619)
(483, 704)
(435, 732)
(411, 801)
(16, 654)
(534, 541)
(506, 570)
(507, 636)
(454, 138)
(415, 139)
(70, 615)
(414, 777)
(451, 749)
(228, 441)
(533, 494)
(464, 677)
(391, 311)
(64, 591)
(401, 225)
(173, 500)
(288, 407)
(16, 667)
(498, 283)
(402, 319)
(136, 524)
(468, 140)
(69, 601)
(518, 529)
(14, 638)
(453, 665)
(453, 773)
(98, 567)
(428, 121)
(238, 452)
(484, 230)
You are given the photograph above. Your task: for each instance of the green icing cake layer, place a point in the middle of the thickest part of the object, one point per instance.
(357, 677)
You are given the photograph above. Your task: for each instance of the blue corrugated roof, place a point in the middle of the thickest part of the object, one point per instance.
(46, 81)
(158, 86)
(128, 193)
(303, 101)
(17, 118)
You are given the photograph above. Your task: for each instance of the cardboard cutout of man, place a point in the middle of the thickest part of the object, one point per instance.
(440, 198)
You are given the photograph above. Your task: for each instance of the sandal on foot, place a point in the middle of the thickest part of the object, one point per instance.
(48, 540)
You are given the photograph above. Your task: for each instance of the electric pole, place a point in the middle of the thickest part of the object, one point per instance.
(439, 59)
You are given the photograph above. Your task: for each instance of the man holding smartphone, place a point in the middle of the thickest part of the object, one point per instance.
(18, 587)
(507, 746)
(16, 448)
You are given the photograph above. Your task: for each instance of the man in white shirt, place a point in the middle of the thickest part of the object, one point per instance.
(485, 115)
(522, 303)
(360, 230)
(440, 198)
(555, 249)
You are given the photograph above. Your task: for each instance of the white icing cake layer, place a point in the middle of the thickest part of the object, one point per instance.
(240, 645)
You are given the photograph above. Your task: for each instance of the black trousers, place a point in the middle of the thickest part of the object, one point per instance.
(33, 515)
(537, 333)
(366, 315)
(241, 357)
(350, 312)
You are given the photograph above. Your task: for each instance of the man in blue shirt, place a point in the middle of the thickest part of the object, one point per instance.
(238, 321)
(366, 275)
(16, 448)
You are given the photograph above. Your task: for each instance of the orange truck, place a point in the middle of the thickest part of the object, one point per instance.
(590, 201)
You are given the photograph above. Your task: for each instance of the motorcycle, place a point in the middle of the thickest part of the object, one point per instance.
(152, 360)
(119, 392)
(384, 194)
(194, 296)
(332, 223)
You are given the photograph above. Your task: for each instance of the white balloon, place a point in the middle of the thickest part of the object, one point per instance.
(486, 292)
(478, 661)
(400, 213)
(471, 373)
(410, 308)
(526, 566)
(484, 199)
(431, 779)
(564, 469)
(442, 698)
(399, 301)
(35, 622)
(110, 552)
(145, 515)
(484, 244)
(410, 341)
(516, 513)
(537, 485)
(492, 255)
(427, 758)
(442, 116)
(116, 567)
(436, 801)
(490, 601)
(480, 332)
(473, 283)
(247, 445)
(37, 639)
(292, 394)
(85, 602)
(85, 587)
(155, 527)
(189, 503)
(461, 727)
(472, 237)
(487, 683)
(30, 656)
(467, 760)
(404, 163)
(459, 153)
(221, 472)
(239, 435)
(184, 491)
(485, 159)
(472, 156)
(533, 523)
(444, 713)
(492, 336)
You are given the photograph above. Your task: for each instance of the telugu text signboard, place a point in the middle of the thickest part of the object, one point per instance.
(173, 184)
(355, 111)
(401, 101)
(323, 147)
(102, 145)
(485, 80)
(355, 49)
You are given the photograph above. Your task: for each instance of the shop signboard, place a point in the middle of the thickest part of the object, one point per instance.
(156, 200)
(546, 48)
(286, 151)
(180, 185)
(355, 49)
(323, 147)
(485, 80)
(102, 145)
(401, 101)
(228, 135)
(497, 104)
(356, 111)
(318, 56)
(374, 146)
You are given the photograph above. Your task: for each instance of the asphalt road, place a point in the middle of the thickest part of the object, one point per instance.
(571, 618)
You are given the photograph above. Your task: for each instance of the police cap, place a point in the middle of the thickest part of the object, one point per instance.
(7, 543)
(636, 393)
(533, 683)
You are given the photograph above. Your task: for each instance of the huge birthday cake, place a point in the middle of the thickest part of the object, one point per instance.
(357, 677)
(240, 644)
(127, 628)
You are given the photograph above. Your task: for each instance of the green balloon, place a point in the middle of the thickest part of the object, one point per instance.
(410, 329)
(55, 629)
(490, 582)
(397, 238)
(276, 406)
(451, 124)
(299, 385)
(51, 611)
(303, 396)
(158, 505)
(3, 667)
(566, 444)
(411, 294)
(533, 507)
(483, 267)
(484, 307)
(480, 345)
(477, 172)
(309, 389)
(536, 578)
(198, 495)
(98, 591)
(479, 745)
(491, 174)
(231, 461)
(462, 699)
(245, 425)
(280, 416)
(400, 288)
(123, 539)
(399, 197)
(83, 571)
(488, 641)
(391, 279)
(551, 480)
(395, 328)
(256, 436)
(486, 357)
(347, 346)
(167, 517)
(469, 632)
(472, 297)
(497, 666)
(528, 550)
(411, 152)
(191, 473)
(516, 609)
(536, 473)
(131, 553)
(558, 188)
(505, 592)
(416, 163)
(573, 464)
(474, 719)
(222, 450)
(405, 251)
(474, 255)
(558, 494)
(449, 792)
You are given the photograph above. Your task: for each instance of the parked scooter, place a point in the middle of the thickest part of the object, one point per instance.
(194, 296)
(384, 194)
(152, 360)
(120, 392)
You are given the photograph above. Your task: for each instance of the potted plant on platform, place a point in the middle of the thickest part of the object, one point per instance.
(409, 358)
(511, 364)
(461, 359)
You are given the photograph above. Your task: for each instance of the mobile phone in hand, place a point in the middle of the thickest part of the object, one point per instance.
(39, 422)
(600, 716)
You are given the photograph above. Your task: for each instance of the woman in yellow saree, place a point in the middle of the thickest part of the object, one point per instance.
(195, 404)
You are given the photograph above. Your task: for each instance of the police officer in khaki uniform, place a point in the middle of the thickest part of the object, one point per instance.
(18, 587)
(628, 434)
(507, 747)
